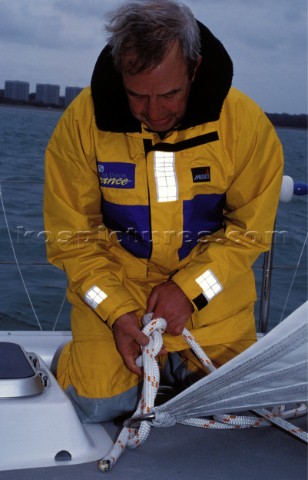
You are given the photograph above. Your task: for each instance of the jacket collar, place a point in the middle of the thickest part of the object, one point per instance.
(212, 83)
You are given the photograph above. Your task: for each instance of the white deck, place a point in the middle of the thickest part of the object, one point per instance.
(34, 430)
(42, 430)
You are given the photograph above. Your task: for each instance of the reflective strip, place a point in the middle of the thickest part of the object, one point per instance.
(165, 177)
(209, 284)
(94, 296)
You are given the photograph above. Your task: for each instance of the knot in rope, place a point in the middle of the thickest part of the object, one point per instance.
(133, 437)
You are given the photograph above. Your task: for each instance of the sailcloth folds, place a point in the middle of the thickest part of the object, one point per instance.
(271, 372)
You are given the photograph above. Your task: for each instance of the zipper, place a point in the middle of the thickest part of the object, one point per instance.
(147, 145)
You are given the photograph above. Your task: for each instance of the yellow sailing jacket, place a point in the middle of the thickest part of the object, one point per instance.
(126, 210)
(107, 222)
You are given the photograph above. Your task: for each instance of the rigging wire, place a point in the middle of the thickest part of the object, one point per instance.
(293, 278)
(16, 260)
(17, 263)
(59, 313)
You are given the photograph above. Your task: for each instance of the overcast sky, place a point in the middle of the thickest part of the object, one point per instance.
(58, 41)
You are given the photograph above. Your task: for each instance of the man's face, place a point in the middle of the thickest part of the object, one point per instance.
(158, 96)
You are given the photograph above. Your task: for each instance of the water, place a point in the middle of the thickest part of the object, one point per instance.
(24, 134)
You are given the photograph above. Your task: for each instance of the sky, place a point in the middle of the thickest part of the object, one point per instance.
(58, 42)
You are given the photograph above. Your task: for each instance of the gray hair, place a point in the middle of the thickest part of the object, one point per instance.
(148, 28)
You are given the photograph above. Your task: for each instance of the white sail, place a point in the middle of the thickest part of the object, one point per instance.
(271, 372)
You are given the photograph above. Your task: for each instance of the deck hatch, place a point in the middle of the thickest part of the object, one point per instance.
(18, 377)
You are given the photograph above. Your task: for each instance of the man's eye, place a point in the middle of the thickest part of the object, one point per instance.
(136, 96)
(170, 95)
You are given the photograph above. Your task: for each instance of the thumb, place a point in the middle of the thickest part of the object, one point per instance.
(141, 338)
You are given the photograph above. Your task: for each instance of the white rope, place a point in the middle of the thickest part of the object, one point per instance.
(133, 436)
(278, 420)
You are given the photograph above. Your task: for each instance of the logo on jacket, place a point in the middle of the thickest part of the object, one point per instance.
(116, 174)
(201, 174)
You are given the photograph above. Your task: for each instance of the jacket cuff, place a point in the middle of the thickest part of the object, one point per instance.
(110, 307)
(191, 289)
(199, 290)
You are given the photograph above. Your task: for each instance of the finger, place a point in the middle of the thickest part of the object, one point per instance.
(151, 302)
(174, 329)
(163, 352)
(130, 362)
(131, 365)
(141, 338)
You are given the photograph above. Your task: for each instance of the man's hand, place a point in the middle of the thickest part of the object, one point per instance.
(128, 338)
(170, 302)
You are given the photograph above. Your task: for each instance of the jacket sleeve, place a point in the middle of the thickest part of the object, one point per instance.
(77, 240)
(251, 204)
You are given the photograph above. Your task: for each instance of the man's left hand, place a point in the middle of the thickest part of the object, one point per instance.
(170, 302)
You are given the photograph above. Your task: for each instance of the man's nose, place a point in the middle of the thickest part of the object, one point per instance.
(154, 108)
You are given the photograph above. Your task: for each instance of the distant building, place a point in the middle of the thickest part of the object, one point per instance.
(16, 90)
(47, 94)
(70, 94)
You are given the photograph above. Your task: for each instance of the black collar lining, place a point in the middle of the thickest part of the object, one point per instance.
(209, 89)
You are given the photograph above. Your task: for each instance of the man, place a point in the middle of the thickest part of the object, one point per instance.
(162, 184)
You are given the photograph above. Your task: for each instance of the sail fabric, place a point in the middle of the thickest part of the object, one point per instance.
(271, 372)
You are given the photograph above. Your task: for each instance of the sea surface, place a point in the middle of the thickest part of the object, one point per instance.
(32, 293)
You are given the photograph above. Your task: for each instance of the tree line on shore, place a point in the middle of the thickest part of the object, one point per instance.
(287, 120)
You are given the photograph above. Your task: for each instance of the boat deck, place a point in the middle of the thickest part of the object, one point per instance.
(188, 453)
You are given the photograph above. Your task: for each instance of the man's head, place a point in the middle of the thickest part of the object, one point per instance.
(156, 48)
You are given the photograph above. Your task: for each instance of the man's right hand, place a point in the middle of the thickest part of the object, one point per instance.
(129, 338)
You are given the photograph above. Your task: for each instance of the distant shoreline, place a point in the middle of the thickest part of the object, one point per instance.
(281, 120)
(32, 107)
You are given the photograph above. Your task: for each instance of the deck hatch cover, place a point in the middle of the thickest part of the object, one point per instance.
(18, 377)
